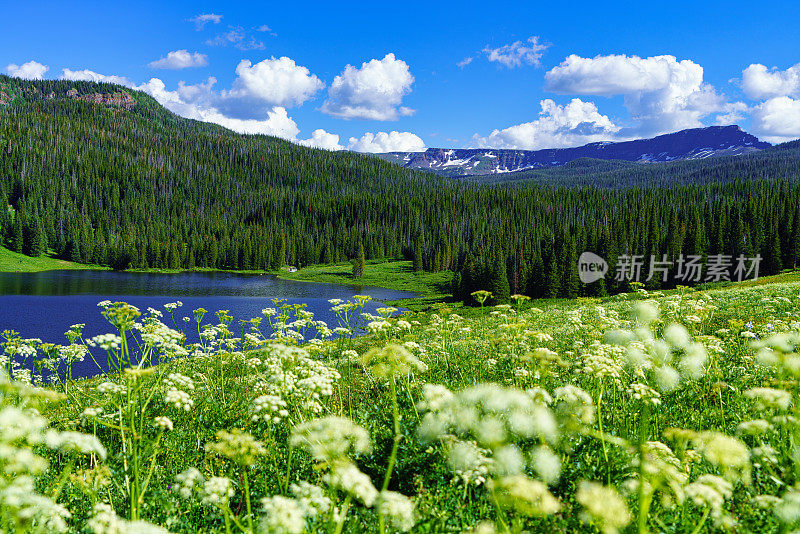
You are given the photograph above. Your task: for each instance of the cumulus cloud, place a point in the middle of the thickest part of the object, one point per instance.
(777, 120)
(322, 139)
(518, 53)
(87, 75)
(201, 20)
(374, 91)
(180, 59)
(573, 124)
(387, 142)
(733, 113)
(32, 70)
(277, 82)
(661, 93)
(186, 103)
(193, 102)
(761, 83)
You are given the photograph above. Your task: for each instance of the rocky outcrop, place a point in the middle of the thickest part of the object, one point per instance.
(119, 99)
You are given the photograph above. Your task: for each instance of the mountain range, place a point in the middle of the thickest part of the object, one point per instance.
(692, 144)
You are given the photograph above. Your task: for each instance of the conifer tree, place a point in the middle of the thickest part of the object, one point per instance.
(772, 255)
(571, 284)
(417, 263)
(498, 279)
(552, 276)
(17, 240)
(358, 262)
(39, 245)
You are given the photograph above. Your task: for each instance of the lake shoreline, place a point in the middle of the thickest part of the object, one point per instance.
(394, 274)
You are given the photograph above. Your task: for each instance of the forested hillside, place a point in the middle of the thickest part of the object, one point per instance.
(135, 186)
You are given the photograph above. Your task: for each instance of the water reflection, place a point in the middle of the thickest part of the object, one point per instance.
(44, 305)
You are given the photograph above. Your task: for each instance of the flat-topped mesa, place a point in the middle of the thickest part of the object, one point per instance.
(119, 99)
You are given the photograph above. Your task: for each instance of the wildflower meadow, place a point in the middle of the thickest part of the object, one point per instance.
(642, 412)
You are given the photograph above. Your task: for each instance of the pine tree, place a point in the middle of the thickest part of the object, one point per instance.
(417, 257)
(571, 285)
(39, 246)
(498, 279)
(552, 276)
(772, 255)
(794, 254)
(17, 240)
(358, 263)
(173, 261)
(280, 258)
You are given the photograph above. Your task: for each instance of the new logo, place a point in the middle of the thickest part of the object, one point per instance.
(591, 267)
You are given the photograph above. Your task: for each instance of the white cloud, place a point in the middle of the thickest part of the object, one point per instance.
(374, 91)
(777, 120)
(464, 62)
(760, 83)
(180, 102)
(87, 75)
(277, 82)
(180, 59)
(387, 142)
(734, 113)
(573, 124)
(661, 93)
(238, 37)
(322, 139)
(518, 53)
(201, 20)
(31, 70)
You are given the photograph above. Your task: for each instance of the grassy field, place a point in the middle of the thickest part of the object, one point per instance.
(14, 262)
(431, 287)
(643, 412)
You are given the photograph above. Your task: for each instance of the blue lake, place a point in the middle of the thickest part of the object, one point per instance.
(44, 305)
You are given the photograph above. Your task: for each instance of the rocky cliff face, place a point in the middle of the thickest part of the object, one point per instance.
(696, 143)
(120, 99)
(9, 94)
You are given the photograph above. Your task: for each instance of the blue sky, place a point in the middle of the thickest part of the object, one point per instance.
(505, 74)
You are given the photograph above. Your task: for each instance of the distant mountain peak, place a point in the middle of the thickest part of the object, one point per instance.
(694, 143)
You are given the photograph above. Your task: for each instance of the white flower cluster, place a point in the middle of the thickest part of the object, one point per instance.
(486, 429)
(108, 342)
(295, 378)
(179, 399)
(106, 521)
(663, 361)
(188, 482)
(158, 336)
(269, 408)
(603, 507)
(282, 515)
(110, 388)
(217, 491)
(163, 422)
(311, 498)
(179, 381)
(22, 508)
(331, 438)
(346, 477)
(398, 508)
